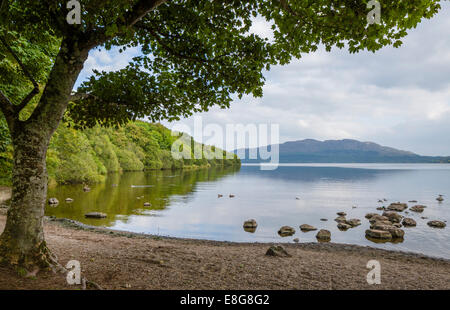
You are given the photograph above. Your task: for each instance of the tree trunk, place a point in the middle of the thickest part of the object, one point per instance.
(22, 243)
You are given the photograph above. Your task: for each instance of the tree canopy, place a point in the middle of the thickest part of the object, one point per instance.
(195, 54)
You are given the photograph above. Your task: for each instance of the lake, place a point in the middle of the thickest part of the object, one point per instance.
(186, 204)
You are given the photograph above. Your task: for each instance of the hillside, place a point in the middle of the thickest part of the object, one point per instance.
(77, 156)
(341, 151)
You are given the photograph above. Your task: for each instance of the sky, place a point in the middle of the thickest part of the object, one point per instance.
(398, 97)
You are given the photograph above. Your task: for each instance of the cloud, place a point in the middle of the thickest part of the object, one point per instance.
(395, 97)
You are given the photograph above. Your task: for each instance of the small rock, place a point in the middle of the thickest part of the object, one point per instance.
(374, 224)
(147, 204)
(86, 189)
(231, 196)
(381, 208)
(377, 218)
(323, 235)
(95, 215)
(407, 221)
(53, 201)
(277, 250)
(424, 218)
(397, 206)
(69, 200)
(219, 196)
(370, 215)
(340, 219)
(324, 220)
(440, 198)
(286, 231)
(378, 234)
(341, 213)
(296, 240)
(343, 226)
(438, 224)
(393, 216)
(306, 227)
(417, 208)
(250, 224)
(353, 222)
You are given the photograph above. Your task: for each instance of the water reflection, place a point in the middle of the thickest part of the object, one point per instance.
(130, 193)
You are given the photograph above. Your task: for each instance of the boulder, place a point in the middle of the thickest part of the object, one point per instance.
(53, 201)
(306, 227)
(343, 226)
(378, 234)
(378, 218)
(277, 250)
(340, 219)
(323, 235)
(393, 216)
(370, 215)
(394, 231)
(388, 223)
(250, 224)
(397, 206)
(438, 224)
(417, 208)
(407, 221)
(341, 213)
(95, 215)
(353, 222)
(286, 231)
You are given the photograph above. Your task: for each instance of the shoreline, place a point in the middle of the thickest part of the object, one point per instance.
(123, 260)
(72, 224)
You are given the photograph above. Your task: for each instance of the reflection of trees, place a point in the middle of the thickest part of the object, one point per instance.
(124, 200)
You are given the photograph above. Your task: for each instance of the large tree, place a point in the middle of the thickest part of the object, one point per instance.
(195, 54)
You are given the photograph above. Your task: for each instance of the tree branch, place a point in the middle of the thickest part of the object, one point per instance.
(7, 108)
(34, 91)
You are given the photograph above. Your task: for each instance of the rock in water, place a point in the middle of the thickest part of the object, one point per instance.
(378, 234)
(53, 201)
(323, 235)
(306, 227)
(418, 208)
(340, 219)
(438, 224)
(353, 222)
(147, 204)
(86, 189)
(341, 213)
(286, 231)
(393, 216)
(370, 215)
(69, 200)
(296, 240)
(397, 206)
(277, 250)
(250, 226)
(95, 215)
(378, 218)
(394, 231)
(407, 221)
(343, 226)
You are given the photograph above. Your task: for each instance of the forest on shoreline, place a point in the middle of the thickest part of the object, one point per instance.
(88, 155)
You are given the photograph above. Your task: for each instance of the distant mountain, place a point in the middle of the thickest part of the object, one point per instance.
(339, 151)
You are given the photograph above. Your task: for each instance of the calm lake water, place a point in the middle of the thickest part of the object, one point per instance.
(186, 204)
